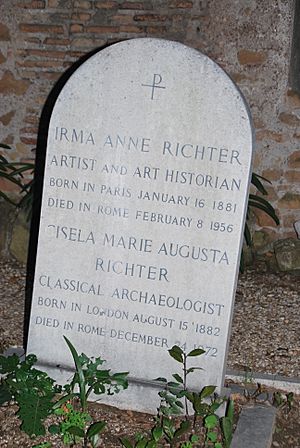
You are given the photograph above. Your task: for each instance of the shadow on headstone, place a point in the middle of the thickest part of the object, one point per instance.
(38, 181)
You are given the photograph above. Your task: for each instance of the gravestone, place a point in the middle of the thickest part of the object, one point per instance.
(145, 192)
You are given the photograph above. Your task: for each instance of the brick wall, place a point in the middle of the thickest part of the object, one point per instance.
(250, 39)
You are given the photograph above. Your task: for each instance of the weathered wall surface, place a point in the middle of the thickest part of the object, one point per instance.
(250, 39)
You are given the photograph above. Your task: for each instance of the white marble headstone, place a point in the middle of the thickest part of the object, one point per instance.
(145, 192)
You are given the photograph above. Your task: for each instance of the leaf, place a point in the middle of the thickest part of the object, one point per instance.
(212, 436)
(255, 180)
(32, 411)
(211, 421)
(177, 378)
(176, 353)
(95, 428)
(226, 428)
(192, 369)
(81, 378)
(196, 352)
(247, 235)
(76, 431)
(230, 410)
(262, 204)
(161, 380)
(157, 433)
(125, 442)
(2, 145)
(207, 391)
(8, 364)
(141, 443)
(63, 400)
(5, 394)
(183, 428)
(54, 429)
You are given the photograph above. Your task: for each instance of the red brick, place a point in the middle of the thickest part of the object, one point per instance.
(267, 134)
(82, 4)
(292, 176)
(102, 29)
(34, 28)
(2, 58)
(75, 54)
(290, 201)
(32, 40)
(7, 187)
(76, 28)
(83, 42)
(272, 174)
(130, 29)
(31, 119)
(53, 41)
(157, 30)
(294, 160)
(293, 98)
(41, 64)
(180, 4)
(149, 18)
(258, 122)
(81, 17)
(250, 57)
(42, 53)
(122, 19)
(28, 140)
(35, 4)
(106, 4)
(263, 220)
(29, 130)
(10, 85)
(53, 76)
(6, 118)
(289, 119)
(4, 32)
(134, 5)
(288, 220)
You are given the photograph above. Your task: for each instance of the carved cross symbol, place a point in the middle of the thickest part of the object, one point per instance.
(157, 79)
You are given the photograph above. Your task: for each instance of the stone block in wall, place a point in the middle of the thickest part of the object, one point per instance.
(20, 238)
(287, 253)
(8, 216)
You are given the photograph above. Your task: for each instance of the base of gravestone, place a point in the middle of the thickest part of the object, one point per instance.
(141, 396)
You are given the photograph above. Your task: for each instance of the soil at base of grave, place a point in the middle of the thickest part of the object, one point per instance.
(126, 423)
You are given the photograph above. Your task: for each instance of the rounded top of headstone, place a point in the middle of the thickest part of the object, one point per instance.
(152, 79)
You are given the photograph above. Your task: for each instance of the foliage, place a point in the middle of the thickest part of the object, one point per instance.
(277, 399)
(90, 379)
(14, 172)
(34, 392)
(177, 398)
(73, 405)
(256, 201)
(32, 389)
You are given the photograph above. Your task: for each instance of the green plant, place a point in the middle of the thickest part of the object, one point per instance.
(283, 400)
(32, 389)
(73, 405)
(256, 201)
(176, 398)
(14, 172)
(34, 392)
